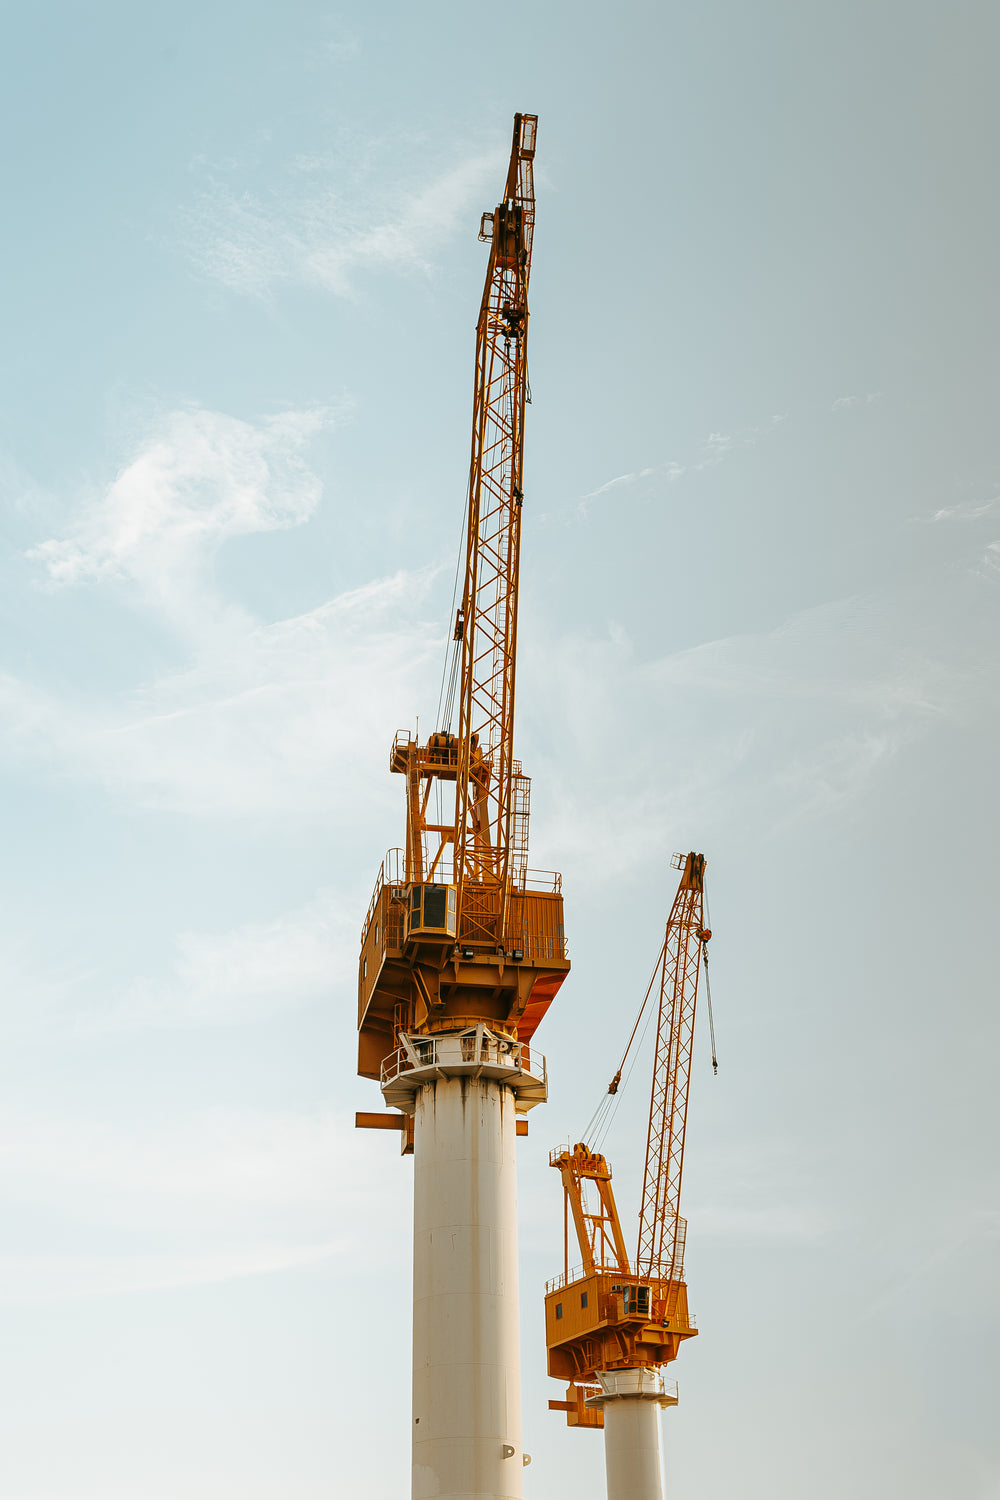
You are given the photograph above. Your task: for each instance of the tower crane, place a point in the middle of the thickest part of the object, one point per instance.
(463, 947)
(456, 929)
(614, 1321)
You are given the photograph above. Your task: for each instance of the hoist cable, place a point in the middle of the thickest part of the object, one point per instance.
(708, 985)
(447, 694)
(600, 1126)
(711, 1018)
(616, 1098)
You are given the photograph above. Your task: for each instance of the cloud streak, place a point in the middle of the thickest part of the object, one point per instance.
(967, 511)
(262, 712)
(716, 448)
(322, 222)
(792, 724)
(845, 403)
(259, 724)
(248, 973)
(207, 1197)
(197, 480)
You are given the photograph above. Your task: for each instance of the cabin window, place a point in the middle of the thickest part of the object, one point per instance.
(636, 1301)
(435, 906)
(558, 1309)
(583, 1299)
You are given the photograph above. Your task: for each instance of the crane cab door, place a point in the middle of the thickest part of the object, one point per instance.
(432, 912)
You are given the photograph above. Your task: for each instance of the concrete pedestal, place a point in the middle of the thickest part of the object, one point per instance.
(464, 1091)
(632, 1401)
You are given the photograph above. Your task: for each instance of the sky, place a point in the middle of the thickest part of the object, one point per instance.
(760, 608)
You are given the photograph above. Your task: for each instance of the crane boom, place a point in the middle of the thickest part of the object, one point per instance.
(487, 623)
(661, 1228)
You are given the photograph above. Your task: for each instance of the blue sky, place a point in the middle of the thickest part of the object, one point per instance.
(761, 591)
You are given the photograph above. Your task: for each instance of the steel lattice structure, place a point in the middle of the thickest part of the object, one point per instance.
(486, 791)
(661, 1228)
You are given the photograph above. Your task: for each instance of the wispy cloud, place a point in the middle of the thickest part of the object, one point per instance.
(715, 449)
(198, 479)
(33, 1279)
(260, 713)
(255, 727)
(343, 44)
(989, 566)
(797, 723)
(248, 973)
(966, 511)
(37, 987)
(209, 1196)
(329, 216)
(845, 403)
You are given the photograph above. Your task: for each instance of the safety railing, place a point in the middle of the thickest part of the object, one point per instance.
(556, 1283)
(541, 939)
(469, 1050)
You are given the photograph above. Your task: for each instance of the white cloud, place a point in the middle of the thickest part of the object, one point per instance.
(990, 562)
(289, 718)
(37, 987)
(33, 1279)
(265, 711)
(200, 478)
(714, 450)
(248, 973)
(219, 1156)
(325, 220)
(967, 511)
(831, 775)
(209, 1196)
(798, 722)
(844, 403)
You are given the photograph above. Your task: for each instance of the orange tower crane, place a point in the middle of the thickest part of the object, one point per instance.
(458, 930)
(463, 947)
(612, 1323)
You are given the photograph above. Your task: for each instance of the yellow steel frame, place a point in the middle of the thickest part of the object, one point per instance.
(598, 1230)
(661, 1228)
(485, 803)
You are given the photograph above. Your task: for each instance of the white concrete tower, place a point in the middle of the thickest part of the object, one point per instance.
(465, 1090)
(632, 1401)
